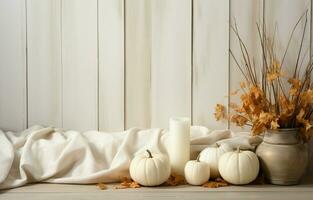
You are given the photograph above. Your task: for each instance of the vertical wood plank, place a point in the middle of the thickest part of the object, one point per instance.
(44, 62)
(111, 64)
(245, 14)
(138, 44)
(170, 60)
(80, 64)
(13, 97)
(211, 44)
(285, 14)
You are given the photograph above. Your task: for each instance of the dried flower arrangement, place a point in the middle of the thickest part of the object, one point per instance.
(270, 99)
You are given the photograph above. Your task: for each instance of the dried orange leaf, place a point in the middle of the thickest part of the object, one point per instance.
(239, 120)
(134, 185)
(274, 124)
(219, 112)
(126, 182)
(243, 85)
(271, 76)
(120, 187)
(102, 186)
(216, 183)
(276, 65)
(175, 180)
(234, 92)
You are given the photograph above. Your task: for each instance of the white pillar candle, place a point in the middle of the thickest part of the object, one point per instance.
(179, 144)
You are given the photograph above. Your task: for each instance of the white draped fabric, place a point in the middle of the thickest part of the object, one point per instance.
(46, 154)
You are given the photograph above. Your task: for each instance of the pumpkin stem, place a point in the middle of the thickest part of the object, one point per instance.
(149, 152)
(238, 149)
(198, 158)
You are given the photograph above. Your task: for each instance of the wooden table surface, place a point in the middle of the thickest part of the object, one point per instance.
(91, 192)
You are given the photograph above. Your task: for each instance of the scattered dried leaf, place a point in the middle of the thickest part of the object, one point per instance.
(120, 187)
(134, 185)
(218, 182)
(102, 186)
(175, 180)
(126, 182)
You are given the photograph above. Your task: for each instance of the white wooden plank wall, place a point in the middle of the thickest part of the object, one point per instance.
(170, 60)
(80, 64)
(138, 60)
(13, 96)
(278, 13)
(111, 64)
(210, 60)
(115, 64)
(44, 62)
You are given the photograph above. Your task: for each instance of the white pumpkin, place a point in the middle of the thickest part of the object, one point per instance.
(211, 156)
(150, 170)
(197, 172)
(239, 167)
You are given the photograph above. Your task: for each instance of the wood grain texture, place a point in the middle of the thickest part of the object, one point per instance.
(170, 60)
(44, 62)
(158, 59)
(91, 192)
(245, 14)
(138, 50)
(13, 97)
(80, 64)
(210, 53)
(111, 64)
(152, 195)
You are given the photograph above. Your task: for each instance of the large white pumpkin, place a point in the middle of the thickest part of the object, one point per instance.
(197, 172)
(239, 167)
(150, 169)
(211, 155)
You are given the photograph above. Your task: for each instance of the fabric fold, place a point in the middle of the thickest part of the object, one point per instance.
(46, 154)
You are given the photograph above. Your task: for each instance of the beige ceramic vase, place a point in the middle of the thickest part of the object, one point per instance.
(283, 157)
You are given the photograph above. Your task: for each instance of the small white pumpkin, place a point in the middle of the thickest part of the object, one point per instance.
(211, 156)
(150, 170)
(197, 172)
(239, 167)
